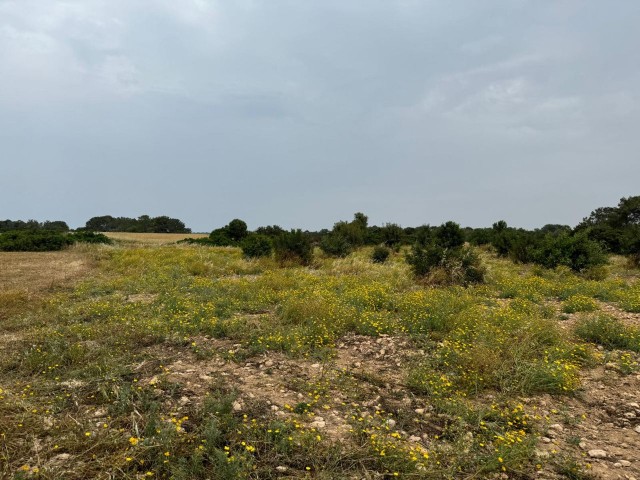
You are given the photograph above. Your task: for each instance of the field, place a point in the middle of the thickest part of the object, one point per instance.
(153, 238)
(151, 360)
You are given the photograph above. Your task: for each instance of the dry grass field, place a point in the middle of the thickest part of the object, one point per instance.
(185, 362)
(153, 238)
(39, 271)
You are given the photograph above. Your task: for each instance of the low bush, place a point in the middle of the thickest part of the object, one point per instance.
(445, 260)
(576, 251)
(255, 246)
(380, 254)
(335, 245)
(90, 237)
(293, 247)
(33, 241)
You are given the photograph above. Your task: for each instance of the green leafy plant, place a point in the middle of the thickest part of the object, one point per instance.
(254, 246)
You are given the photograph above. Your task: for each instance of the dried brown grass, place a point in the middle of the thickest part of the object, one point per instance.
(153, 238)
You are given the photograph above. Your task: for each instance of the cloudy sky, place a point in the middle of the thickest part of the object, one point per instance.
(300, 112)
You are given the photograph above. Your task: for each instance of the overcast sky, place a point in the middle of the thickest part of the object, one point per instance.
(300, 113)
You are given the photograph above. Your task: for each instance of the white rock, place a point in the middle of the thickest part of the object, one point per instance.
(557, 427)
(391, 423)
(637, 429)
(597, 453)
(545, 440)
(625, 463)
(281, 468)
(419, 411)
(237, 406)
(414, 438)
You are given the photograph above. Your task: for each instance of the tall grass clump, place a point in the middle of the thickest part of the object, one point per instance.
(609, 332)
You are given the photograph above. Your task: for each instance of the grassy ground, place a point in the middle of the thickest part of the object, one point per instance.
(165, 361)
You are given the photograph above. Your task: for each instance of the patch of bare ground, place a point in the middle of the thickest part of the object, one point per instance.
(366, 374)
(599, 427)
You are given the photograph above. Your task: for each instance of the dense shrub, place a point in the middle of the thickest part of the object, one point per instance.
(142, 224)
(220, 238)
(255, 245)
(392, 235)
(449, 236)
(33, 241)
(293, 247)
(90, 237)
(380, 254)
(445, 259)
(575, 251)
(237, 230)
(336, 245)
(14, 225)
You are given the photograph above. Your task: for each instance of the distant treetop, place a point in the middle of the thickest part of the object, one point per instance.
(142, 224)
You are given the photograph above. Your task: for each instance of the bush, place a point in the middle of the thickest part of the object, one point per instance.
(380, 254)
(335, 245)
(293, 247)
(254, 246)
(220, 238)
(90, 237)
(33, 241)
(445, 260)
(576, 251)
(236, 230)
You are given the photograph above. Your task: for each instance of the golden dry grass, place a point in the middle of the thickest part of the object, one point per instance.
(38, 271)
(153, 238)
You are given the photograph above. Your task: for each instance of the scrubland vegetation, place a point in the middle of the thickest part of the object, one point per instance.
(275, 358)
(89, 391)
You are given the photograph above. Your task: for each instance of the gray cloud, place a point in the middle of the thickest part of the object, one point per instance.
(301, 113)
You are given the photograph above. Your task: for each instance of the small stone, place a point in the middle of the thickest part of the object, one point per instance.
(62, 457)
(633, 405)
(184, 400)
(318, 424)
(545, 440)
(268, 363)
(637, 429)
(583, 445)
(281, 468)
(597, 453)
(557, 427)
(391, 422)
(237, 406)
(617, 465)
(414, 438)
(101, 412)
(419, 411)
(274, 408)
(625, 463)
(315, 365)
